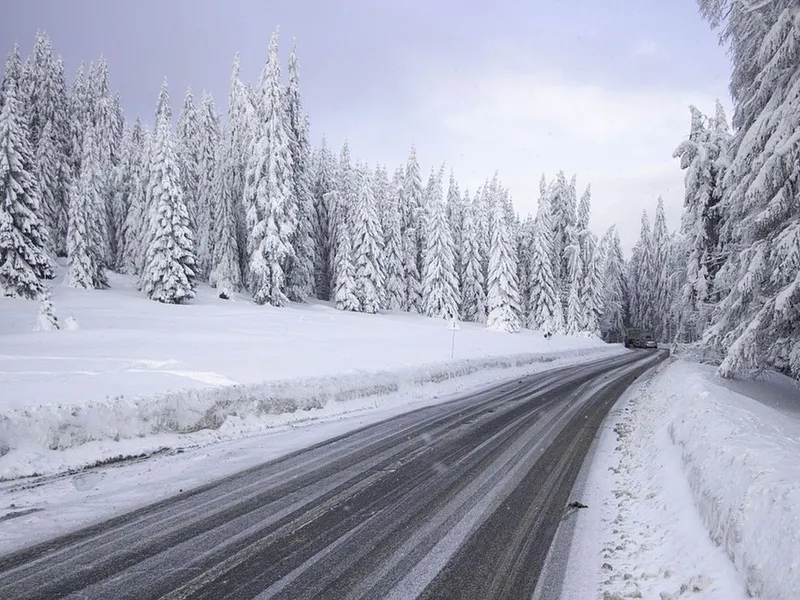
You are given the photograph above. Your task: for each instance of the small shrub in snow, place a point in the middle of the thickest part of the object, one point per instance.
(71, 323)
(46, 320)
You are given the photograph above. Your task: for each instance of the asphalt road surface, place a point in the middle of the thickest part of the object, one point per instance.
(459, 500)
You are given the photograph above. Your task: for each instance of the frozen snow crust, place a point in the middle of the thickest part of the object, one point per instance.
(742, 460)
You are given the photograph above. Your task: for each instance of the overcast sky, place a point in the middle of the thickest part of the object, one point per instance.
(523, 87)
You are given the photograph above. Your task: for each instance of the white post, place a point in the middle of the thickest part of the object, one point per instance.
(453, 344)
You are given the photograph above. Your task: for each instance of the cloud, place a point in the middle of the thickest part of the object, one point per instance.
(620, 140)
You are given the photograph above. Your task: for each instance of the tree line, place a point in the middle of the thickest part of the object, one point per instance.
(245, 203)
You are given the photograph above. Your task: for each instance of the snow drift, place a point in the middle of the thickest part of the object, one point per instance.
(741, 460)
(64, 426)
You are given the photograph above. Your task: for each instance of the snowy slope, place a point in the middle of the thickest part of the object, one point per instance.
(697, 490)
(138, 369)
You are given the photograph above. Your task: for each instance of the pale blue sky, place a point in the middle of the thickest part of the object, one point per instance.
(597, 88)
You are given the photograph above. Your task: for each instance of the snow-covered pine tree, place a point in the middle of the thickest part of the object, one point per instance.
(124, 180)
(225, 272)
(46, 320)
(503, 287)
(80, 118)
(128, 185)
(187, 140)
(455, 217)
(168, 274)
(300, 284)
(341, 206)
(525, 242)
(704, 157)
(473, 295)
(662, 297)
(164, 104)
(563, 202)
(344, 285)
(545, 312)
(269, 191)
(208, 200)
(46, 97)
(641, 278)
(411, 213)
(612, 319)
(575, 309)
(380, 189)
(238, 142)
(138, 222)
(592, 301)
(14, 76)
(107, 138)
(323, 184)
(86, 252)
(23, 237)
(439, 280)
(367, 246)
(395, 287)
(757, 324)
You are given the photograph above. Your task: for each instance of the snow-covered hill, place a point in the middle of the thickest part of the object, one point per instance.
(135, 369)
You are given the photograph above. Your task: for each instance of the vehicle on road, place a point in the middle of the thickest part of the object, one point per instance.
(640, 338)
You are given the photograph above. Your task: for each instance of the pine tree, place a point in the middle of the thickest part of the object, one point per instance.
(380, 189)
(164, 104)
(46, 98)
(455, 217)
(525, 243)
(395, 295)
(80, 118)
(23, 238)
(169, 263)
(323, 184)
(473, 296)
(612, 319)
(240, 133)
(575, 309)
(188, 151)
(662, 297)
(367, 247)
(642, 277)
(503, 296)
(85, 244)
(225, 269)
(545, 310)
(344, 289)
(301, 270)
(208, 200)
(411, 213)
(756, 324)
(137, 223)
(130, 173)
(592, 300)
(104, 121)
(704, 157)
(340, 210)
(439, 280)
(269, 192)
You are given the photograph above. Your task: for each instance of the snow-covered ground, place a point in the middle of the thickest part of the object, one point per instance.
(138, 375)
(694, 492)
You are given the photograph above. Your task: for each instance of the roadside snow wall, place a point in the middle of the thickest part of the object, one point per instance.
(60, 427)
(742, 460)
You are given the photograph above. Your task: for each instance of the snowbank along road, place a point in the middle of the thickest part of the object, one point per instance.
(458, 500)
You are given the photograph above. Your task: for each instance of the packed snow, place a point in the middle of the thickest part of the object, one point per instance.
(137, 370)
(694, 492)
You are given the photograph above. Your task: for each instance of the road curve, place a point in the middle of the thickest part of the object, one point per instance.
(459, 500)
